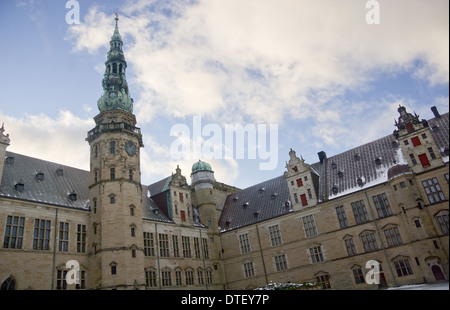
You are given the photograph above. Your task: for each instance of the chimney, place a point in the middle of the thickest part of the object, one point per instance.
(435, 112)
(322, 156)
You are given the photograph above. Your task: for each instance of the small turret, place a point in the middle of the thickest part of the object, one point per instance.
(4, 143)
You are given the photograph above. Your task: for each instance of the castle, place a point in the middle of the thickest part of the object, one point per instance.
(385, 202)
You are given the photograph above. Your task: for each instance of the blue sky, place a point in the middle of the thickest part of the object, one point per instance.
(316, 69)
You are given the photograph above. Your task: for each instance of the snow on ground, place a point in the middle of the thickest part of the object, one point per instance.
(431, 286)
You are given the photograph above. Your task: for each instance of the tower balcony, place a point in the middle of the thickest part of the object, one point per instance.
(113, 127)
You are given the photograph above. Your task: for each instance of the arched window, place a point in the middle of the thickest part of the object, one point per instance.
(8, 284)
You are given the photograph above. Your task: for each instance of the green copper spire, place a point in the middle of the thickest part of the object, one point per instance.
(115, 87)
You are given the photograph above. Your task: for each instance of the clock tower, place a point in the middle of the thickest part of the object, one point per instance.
(115, 192)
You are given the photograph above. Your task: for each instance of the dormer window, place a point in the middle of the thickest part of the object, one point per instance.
(59, 172)
(340, 174)
(334, 189)
(19, 186)
(73, 196)
(9, 160)
(40, 176)
(378, 161)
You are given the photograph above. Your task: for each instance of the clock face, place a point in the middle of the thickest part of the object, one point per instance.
(130, 148)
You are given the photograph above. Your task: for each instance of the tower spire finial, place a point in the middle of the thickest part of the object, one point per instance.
(117, 17)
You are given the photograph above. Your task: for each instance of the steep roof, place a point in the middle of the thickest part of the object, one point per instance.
(353, 170)
(53, 185)
(255, 204)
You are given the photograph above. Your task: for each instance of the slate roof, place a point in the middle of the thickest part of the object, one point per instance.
(150, 209)
(353, 170)
(255, 204)
(54, 189)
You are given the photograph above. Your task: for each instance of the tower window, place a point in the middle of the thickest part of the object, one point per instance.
(413, 159)
(415, 141)
(424, 160)
(432, 155)
(112, 147)
(114, 68)
(113, 173)
(130, 174)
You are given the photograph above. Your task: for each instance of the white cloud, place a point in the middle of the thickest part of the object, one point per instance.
(59, 139)
(264, 58)
(271, 61)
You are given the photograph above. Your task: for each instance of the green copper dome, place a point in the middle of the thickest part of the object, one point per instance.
(201, 166)
(115, 87)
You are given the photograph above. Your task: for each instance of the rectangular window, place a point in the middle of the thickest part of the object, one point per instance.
(183, 216)
(382, 205)
(176, 249)
(249, 270)
(205, 247)
(63, 237)
(358, 275)
(442, 221)
(433, 190)
(200, 278)
(403, 267)
(393, 236)
(41, 236)
(280, 262)
(163, 245)
(244, 244)
(299, 182)
(424, 160)
(112, 172)
(296, 197)
(324, 281)
(369, 242)
(415, 141)
(130, 174)
(360, 212)
(149, 244)
(166, 278)
(350, 246)
(197, 247)
(310, 225)
(189, 274)
(316, 254)
(178, 279)
(431, 152)
(81, 238)
(186, 244)
(304, 200)
(342, 217)
(275, 235)
(180, 195)
(112, 147)
(150, 278)
(61, 283)
(14, 232)
(413, 159)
